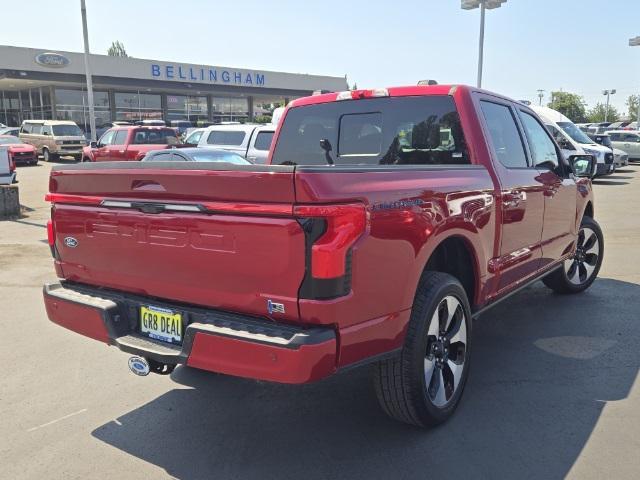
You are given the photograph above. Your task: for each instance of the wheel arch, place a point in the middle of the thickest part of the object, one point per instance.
(457, 256)
(588, 210)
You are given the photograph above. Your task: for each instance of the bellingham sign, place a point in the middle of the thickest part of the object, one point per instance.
(206, 74)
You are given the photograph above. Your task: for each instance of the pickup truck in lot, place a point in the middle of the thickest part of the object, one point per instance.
(129, 142)
(383, 223)
(250, 141)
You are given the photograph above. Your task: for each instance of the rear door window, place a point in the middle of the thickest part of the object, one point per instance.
(504, 135)
(420, 130)
(155, 136)
(224, 137)
(263, 140)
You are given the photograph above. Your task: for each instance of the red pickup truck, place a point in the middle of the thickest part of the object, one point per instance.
(129, 143)
(383, 223)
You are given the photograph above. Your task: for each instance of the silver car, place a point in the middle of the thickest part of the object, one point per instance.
(626, 140)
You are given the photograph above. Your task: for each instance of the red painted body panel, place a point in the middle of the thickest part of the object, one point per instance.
(79, 318)
(247, 245)
(264, 362)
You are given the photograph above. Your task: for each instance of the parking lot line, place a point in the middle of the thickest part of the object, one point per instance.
(57, 420)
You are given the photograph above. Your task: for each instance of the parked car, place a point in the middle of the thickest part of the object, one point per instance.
(366, 238)
(53, 138)
(13, 131)
(129, 143)
(19, 152)
(192, 136)
(194, 155)
(181, 126)
(626, 140)
(572, 140)
(620, 157)
(250, 141)
(631, 126)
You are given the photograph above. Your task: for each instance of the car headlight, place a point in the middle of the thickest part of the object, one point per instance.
(58, 142)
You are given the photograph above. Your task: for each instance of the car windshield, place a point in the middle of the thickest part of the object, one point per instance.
(67, 131)
(574, 132)
(9, 141)
(228, 157)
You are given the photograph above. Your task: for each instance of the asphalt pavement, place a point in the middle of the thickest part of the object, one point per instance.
(552, 391)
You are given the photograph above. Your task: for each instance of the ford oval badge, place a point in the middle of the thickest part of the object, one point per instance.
(52, 60)
(71, 242)
(139, 366)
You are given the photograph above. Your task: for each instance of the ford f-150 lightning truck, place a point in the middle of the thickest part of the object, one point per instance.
(384, 221)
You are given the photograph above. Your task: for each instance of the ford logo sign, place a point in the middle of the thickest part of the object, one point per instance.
(139, 366)
(52, 60)
(71, 242)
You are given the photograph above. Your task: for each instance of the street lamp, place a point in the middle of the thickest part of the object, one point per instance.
(87, 71)
(483, 4)
(608, 93)
(635, 42)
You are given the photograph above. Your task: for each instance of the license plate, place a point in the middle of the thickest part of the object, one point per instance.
(161, 324)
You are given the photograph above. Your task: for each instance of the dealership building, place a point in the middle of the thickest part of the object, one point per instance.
(45, 84)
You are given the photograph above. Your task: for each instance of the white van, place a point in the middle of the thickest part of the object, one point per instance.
(574, 141)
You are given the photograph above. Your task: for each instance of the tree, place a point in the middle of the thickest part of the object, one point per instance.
(632, 105)
(354, 86)
(117, 50)
(597, 113)
(570, 105)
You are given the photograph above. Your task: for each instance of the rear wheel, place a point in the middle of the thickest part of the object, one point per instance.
(46, 156)
(579, 272)
(424, 383)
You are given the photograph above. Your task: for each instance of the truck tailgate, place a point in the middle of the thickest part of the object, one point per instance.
(218, 236)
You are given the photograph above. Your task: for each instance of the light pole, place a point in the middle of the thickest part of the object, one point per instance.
(635, 42)
(540, 95)
(483, 4)
(608, 93)
(92, 117)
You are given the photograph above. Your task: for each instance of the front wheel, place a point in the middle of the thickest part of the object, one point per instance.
(579, 272)
(46, 156)
(424, 383)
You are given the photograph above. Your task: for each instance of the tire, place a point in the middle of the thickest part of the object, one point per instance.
(418, 386)
(46, 156)
(78, 158)
(85, 159)
(579, 272)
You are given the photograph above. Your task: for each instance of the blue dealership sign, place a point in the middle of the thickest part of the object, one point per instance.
(206, 74)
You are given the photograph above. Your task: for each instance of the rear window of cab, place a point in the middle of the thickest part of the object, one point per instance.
(422, 130)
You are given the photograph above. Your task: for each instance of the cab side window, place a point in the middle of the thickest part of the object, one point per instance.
(504, 135)
(543, 150)
(107, 138)
(120, 137)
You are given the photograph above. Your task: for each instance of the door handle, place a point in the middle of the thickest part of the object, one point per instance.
(513, 197)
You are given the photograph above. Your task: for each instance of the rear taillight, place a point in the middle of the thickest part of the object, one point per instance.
(51, 239)
(331, 232)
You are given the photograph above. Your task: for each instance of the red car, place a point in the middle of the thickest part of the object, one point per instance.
(19, 152)
(129, 142)
(385, 221)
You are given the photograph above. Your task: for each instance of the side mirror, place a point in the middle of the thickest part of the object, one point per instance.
(583, 165)
(94, 144)
(45, 133)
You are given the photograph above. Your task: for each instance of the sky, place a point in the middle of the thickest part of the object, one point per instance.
(579, 46)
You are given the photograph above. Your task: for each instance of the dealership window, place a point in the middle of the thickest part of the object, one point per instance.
(228, 109)
(183, 107)
(138, 106)
(74, 105)
(10, 108)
